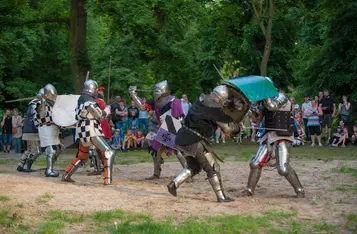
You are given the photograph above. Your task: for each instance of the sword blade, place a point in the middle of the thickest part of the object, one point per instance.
(21, 99)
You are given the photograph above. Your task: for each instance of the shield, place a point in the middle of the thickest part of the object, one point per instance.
(255, 88)
(63, 112)
(167, 131)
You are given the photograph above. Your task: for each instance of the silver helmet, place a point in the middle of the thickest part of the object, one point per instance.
(40, 93)
(221, 92)
(161, 90)
(50, 92)
(90, 88)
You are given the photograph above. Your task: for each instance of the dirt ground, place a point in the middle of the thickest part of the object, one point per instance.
(131, 192)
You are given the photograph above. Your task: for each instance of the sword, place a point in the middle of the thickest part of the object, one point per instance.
(87, 75)
(220, 74)
(269, 129)
(21, 99)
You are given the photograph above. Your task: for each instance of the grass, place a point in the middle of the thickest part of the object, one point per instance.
(4, 198)
(118, 221)
(44, 198)
(345, 170)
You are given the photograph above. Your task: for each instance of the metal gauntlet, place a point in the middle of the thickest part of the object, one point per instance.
(135, 98)
(255, 115)
(229, 127)
(95, 112)
(274, 104)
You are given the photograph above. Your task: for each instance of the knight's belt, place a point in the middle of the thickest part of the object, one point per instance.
(195, 132)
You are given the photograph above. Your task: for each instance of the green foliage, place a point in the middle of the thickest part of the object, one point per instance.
(4, 198)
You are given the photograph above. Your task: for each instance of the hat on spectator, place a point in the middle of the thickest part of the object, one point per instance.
(296, 106)
(306, 95)
(117, 130)
(101, 88)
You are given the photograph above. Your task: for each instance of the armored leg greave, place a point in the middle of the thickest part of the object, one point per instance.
(96, 162)
(286, 170)
(255, 170)
(72, 168)
(108, 159)
(51, 156)
(185, 174)
(181, 159)
(216, 184)
(157, 168)
(28, 158)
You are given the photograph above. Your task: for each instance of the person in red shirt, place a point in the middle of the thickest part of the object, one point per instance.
(140, 139)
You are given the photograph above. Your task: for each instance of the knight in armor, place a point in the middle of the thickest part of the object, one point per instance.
(47, 129)
(94, 153)
(275, 143)
(30, 135)
(202, 120)
(89, 132)
(164, 104)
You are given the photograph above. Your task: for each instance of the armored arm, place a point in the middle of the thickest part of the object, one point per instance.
(94, 111)
(274, 104)
(135, 98)
(255, 114)
(230, 127)
(42, 108)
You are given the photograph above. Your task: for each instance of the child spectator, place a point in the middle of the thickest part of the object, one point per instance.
(149, 138)
(339, 137)
(354, 136)
(129, 140)
(140, 139)
(116, 140)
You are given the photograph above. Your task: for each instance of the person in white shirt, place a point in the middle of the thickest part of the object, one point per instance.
(185, 104)
(306, 106)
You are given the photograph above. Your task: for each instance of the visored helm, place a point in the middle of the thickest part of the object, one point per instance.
(50, 92)
(40, 93)
(161, 90)
(90, 88)
(221, 92)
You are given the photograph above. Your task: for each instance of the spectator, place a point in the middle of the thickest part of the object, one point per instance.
(305, 106)
(6, 125)
(133, 114)
(317, 100)
(116, 140)
(292, 100)
(113, 108)
(143, 119)
(344, 110)
(313, 122)
(220, 134)
(339, 137)
(129, 140)
(185, 104)
(17, 131)
(329, 110)
(354, 136)
(321, 96)
(121, 117)
(140, 139)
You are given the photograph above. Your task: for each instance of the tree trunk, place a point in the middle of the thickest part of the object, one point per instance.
(78, 49)
(267, 48)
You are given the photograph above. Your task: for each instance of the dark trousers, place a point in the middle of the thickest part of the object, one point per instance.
(308, 137)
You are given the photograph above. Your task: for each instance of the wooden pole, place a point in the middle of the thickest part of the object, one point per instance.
(110, 68)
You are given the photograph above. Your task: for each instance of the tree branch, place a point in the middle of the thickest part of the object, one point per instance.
(259, 18)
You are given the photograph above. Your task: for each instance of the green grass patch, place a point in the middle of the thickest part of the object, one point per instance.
(351, 223)
(345, 170)
(19, 205)
(66, 216)
(51, 226)
(341, 188)
(44, 198)
(4, 198)
(324, 227)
